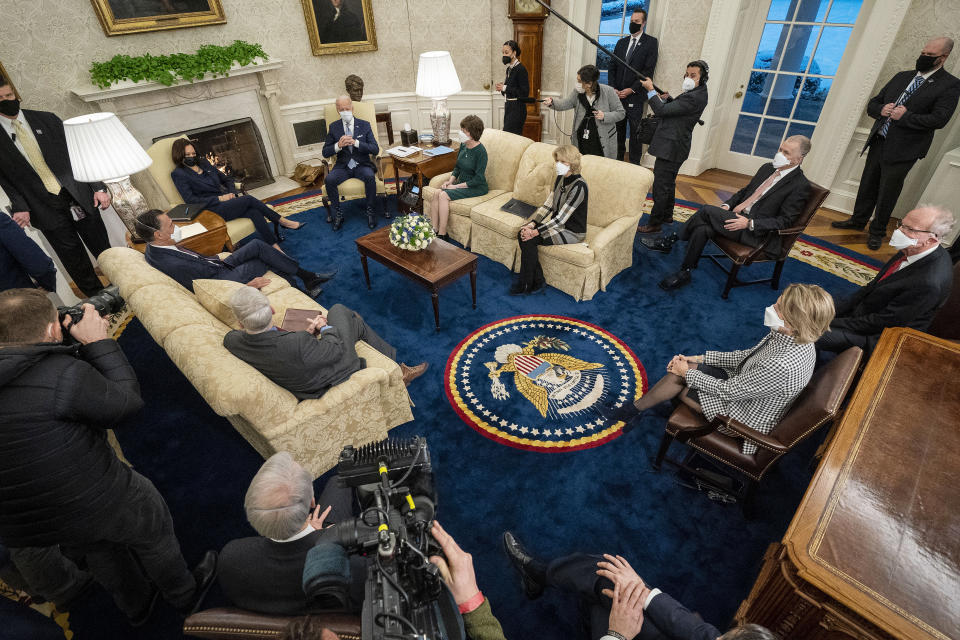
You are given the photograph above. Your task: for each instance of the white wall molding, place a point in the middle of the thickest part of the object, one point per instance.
(843, 191)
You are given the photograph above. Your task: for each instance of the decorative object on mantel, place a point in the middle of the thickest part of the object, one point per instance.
(120, 17)
(437, 78)
(411, 233)
(102, 150)
(354, 86)
(167, 70)
(9, 80)
(340, 26)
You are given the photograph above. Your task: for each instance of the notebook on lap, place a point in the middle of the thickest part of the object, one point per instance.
(185, 212)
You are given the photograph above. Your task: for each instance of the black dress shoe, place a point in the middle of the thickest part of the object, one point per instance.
(314, 290)
(663, 244)
(323, 276)
(338, 222)
(676, 280)
(518, 289)
(874, 242)
(532, 573)
(386, 214)
(297, 228)
(203, 573)
(371, 219)
(847, 224)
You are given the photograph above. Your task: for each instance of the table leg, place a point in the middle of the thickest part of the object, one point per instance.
(396, 184)
(473, 286)
(435, 296)
(366, 271)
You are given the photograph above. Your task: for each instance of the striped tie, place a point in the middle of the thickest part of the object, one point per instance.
(35, 157)
(917, 81)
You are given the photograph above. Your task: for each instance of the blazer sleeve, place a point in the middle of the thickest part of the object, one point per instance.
(330, 144)
(184, 184)
(789, 211)
(323, 351)
(676, 621)
(614, 111)
(902, 305)
(760, 381)
(25, 251)
(649, 64)
(680, 106)
(522, 87)
(228, 184)
(480, 624)
(101, 389)
(876, 102)
(564, 104)
(545, 208)
(939, 115)
(368, 145)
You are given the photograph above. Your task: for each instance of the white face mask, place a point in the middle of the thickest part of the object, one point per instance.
(346, 116)
(688, 84)
(578, 87)
(562, 169)
(900, 241)
(177, 234)
(463, 136)
(771, 319)
(780, 160)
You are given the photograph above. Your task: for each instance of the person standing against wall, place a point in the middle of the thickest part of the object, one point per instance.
(640, 52)
(514, 88)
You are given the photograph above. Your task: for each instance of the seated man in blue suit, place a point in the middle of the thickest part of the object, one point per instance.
(23, 264)
(353, 142)
(247, 264)
(594, 579)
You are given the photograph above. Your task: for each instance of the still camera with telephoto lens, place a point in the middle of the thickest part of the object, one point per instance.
(106, 302)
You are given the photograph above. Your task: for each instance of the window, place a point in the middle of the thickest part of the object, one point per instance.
(794, 67)
(614, 24)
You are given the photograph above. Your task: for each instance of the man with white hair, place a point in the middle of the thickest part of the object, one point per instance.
(906, 292)
(309, 362)
(353, 142)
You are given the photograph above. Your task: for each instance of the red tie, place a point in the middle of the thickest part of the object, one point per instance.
(893, 267)
(749, 202)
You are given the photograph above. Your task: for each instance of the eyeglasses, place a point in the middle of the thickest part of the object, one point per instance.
(900, 225)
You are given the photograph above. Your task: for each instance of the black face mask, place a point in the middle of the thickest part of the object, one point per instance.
(635, 27)
(190, 161)
(10, 107)
(925, 63)
(507, 59)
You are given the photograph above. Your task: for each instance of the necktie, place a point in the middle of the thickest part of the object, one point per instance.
(352, 163)
(746, 204)
(633, 45)
(917, 81)
(35, 157)
(211, 259)
(893, 268)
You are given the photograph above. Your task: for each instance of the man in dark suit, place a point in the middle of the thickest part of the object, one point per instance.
(353, 142)
(247, 264)
(36, 175)
(671, 142)
(23, 264)
(309, 362)
(906, 292)
(907, 111)
(594, 578)
(640, 52)
(772, 200)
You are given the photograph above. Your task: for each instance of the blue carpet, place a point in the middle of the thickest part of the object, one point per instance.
(604, 499)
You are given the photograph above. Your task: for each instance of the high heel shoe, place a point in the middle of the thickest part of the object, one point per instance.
(300, 225)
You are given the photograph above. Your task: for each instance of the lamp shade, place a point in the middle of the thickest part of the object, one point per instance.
(101, 148)
(437, 77)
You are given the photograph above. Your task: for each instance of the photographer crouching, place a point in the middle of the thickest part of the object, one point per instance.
(60, 481)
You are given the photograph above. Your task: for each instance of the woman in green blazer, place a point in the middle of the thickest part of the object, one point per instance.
(468, 178)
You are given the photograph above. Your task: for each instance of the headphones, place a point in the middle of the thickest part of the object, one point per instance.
(704, 70)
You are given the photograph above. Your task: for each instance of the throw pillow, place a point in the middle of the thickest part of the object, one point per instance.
(535, 184)
(214, 295)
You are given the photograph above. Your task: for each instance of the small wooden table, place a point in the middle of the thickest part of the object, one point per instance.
(423, 166)
(210, 242)
(438, 265)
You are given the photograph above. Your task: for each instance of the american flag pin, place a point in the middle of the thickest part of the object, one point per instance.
(39, 131)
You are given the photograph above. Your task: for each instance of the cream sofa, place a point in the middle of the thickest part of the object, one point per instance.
(190, 328)
(617, 191)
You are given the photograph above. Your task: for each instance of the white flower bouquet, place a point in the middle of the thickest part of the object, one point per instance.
(411, 233)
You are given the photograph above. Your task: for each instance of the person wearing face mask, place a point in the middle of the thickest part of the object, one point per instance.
(754, 386)
(906, 292)
(36, 175)
(468, 178)
(907, 112)
(199, 182)
(353, 142)
(773, 199)
(562, 219)
(671, 141)
(515, 87)
(596, 111)
(639, 49)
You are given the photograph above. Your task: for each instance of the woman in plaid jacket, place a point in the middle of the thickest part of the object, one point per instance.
(754, 386)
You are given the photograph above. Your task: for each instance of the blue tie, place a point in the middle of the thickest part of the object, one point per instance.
(352, 163)
(917, 81)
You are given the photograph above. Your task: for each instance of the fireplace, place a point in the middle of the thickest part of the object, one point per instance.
(235, 148)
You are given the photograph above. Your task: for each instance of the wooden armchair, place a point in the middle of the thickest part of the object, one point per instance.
(228, 623)
(816, 405)
(742, 255)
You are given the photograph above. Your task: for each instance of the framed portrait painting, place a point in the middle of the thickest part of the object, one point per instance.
(340, 26)
(119, 17)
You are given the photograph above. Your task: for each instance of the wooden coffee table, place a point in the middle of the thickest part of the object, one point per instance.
(433, 268)
(209, 243)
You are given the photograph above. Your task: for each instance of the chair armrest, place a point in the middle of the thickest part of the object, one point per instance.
(610, 232)
(683, 435)
(752, 435)
(436, 181)
(792, 231)
(230, 622)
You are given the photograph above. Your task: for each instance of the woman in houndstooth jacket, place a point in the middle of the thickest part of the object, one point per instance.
(754, 386)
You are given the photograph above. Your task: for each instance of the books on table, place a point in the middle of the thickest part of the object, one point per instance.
(403, 152)
(438, 151)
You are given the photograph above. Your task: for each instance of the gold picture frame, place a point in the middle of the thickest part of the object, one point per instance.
(122, 17)
(9, 81)
(347, 30)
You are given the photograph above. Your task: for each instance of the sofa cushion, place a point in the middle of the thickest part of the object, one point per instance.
(465, 206)
(616, 188)
(504, 151)
(535, 174)
(578, 253)
(490, 216)
(129, 267)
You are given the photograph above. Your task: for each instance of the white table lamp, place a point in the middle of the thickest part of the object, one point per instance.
(437, 79)
(102, 150)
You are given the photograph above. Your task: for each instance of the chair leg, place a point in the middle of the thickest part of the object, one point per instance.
(731, 279)
(326, 205)
(662, 451)
(747, 494)
(777, 270)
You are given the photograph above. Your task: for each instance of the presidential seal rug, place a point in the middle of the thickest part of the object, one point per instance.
(543, 382)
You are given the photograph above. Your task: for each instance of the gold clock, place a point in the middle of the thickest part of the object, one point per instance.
(527, 8)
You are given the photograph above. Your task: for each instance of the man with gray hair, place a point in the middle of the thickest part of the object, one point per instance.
(353, 142)
(906, 292)
(309, 362)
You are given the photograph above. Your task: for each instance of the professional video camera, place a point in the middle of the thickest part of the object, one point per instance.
(106, 301)
(404, 596)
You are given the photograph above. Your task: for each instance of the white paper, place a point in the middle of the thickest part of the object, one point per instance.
(403, 152)
(190, 230)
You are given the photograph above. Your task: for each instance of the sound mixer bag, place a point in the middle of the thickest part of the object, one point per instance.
(648, 127)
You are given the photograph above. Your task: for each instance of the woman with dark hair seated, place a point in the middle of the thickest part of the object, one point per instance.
(754, 386)
(561, 220)
(199, 182)
(596, 111)
(469, 175)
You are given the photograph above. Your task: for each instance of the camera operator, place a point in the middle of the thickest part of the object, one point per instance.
(60, 481)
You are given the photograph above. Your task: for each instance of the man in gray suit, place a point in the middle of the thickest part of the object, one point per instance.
(309, 362)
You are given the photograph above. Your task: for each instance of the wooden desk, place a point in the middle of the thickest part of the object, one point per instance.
(423, 166)
(210, 242)
(873, 551)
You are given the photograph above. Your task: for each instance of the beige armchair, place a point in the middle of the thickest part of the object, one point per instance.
(353, 188)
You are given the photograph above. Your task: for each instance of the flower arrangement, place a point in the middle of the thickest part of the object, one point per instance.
(411, 233)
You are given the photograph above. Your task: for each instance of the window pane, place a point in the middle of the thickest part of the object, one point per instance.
(832, 43)
(744, 134)
(604, 76)
(812, 10)
(611, 17)
(844, 11)
(783, 96)
(770, 46)
(771, 135)
(757, 91)
(635, 5)
(812, 97)
(799, 48)
(603, 60)
(797, 129)
(780, 9)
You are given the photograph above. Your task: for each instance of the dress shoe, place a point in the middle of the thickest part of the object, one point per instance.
(628, 414)
(532, 573)
(371, 219)
(203, 573)
(874, 242)
(299, 226)
(329, 215)
(337, 223)
(847, 224)
(649, 228)
(676, 280)
(386, 213)
(663, 244)
(412, 373)
(518, 289)
(143, 617)
(323, 276)
(313, 290)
